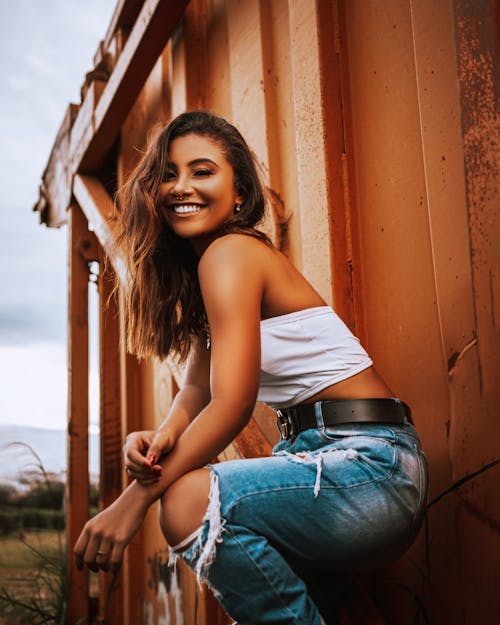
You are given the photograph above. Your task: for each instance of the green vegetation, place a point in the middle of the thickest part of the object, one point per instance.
(33, 580)
(33, 575)
(40, 507)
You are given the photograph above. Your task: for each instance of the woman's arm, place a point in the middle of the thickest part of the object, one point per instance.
(232, 285)
(232, 282)
(194, 394)
(143, 449)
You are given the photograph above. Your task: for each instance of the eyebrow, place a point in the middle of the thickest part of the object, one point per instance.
(197, 161)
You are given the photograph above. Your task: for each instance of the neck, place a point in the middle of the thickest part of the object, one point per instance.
(200, 244)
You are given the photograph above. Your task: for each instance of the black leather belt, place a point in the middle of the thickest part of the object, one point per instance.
(296, 419)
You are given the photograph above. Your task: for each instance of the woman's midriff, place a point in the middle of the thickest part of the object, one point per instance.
(363, 385)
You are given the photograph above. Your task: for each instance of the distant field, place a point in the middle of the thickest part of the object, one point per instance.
(50, 446)
(28, 572)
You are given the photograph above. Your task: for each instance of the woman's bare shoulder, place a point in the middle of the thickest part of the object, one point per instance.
(236, 248)
(234, 268)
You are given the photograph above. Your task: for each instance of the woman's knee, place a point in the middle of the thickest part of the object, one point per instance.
(183, 505)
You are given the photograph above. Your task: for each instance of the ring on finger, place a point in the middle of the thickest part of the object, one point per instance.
(101, 553)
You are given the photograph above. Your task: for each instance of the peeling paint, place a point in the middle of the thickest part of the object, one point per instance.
(163, 581)
(456, 357)
(159, 570)
(165, 599)
(162, 602)
(148, 613)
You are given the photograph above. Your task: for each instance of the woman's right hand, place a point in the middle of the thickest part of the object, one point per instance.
(142, 451)
(103, 539)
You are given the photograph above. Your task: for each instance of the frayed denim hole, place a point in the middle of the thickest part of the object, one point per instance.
(215, 526)
(305, 457)
(187, 553)
(201, 553)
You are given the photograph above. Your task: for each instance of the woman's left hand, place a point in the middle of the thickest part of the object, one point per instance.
(104, 537)
(142, 451)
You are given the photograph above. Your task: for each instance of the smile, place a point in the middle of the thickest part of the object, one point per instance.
(183, 209)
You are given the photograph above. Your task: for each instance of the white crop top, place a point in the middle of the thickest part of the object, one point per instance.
(303, 352)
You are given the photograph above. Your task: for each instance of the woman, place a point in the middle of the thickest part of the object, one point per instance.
(345, 487)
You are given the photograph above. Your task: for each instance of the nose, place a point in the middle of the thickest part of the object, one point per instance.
(180, 186)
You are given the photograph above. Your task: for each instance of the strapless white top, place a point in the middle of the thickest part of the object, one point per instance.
(303, 352)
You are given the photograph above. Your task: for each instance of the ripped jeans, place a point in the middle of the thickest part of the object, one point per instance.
(346, 498)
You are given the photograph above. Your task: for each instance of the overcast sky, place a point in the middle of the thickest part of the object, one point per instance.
(46, 47)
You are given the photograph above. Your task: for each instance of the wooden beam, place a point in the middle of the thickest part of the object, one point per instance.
(196, 53)
(131, 416)
(251, 442)
(339, 160)
(95, 125)
(90, 249)
(310, 143)
(124, 16)
(151, 32)
(55, 189)
(77, 484)
(110, 483)
(82, 130)
(99, 209)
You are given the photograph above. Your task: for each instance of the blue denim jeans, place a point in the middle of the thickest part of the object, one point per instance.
(346, 498)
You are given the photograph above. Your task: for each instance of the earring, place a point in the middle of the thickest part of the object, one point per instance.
(237, 208)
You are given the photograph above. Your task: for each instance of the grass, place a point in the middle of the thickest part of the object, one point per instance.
(31, 578)
(14, 553)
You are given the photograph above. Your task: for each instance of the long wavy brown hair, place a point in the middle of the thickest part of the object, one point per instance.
(164, 307)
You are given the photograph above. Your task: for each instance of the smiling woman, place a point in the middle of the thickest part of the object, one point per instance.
(349, 458)
(198, 193)
(196, 182)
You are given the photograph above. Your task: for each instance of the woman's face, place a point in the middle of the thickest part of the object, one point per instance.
(197, 192)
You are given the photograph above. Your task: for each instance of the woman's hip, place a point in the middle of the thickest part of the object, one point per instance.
(349, 500)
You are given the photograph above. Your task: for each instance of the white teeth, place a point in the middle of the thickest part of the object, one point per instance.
(187, 208)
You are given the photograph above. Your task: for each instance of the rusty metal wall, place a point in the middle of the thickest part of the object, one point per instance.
(418, 217)
(376, 127)
(426, 148)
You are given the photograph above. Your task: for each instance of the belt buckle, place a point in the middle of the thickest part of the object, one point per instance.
(285, 425)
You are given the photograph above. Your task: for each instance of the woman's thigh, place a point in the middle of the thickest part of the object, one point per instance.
(184, 505)
(348, 503)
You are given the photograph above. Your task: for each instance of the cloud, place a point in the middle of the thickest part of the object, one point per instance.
(45, 50)
(33, 272)
(34, 385)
